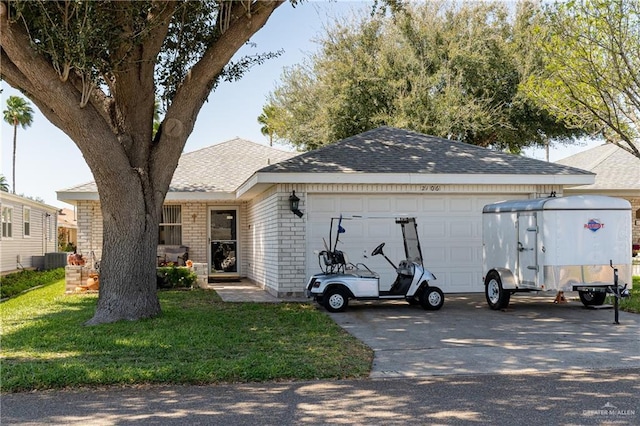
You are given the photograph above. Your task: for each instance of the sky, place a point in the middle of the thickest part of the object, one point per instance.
(47, 160)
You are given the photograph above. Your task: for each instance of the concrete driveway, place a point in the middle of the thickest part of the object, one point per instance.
(466, 337)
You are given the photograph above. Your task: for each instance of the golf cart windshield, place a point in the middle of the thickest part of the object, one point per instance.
(410, 236)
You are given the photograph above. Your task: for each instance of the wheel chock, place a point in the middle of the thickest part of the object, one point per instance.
(560, 298)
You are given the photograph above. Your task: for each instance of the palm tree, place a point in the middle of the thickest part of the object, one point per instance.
(18, 112)
(4, 186)
(265, 119)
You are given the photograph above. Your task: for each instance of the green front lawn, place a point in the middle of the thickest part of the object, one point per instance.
(198, 339)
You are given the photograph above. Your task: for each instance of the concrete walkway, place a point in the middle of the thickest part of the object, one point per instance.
(245, 291)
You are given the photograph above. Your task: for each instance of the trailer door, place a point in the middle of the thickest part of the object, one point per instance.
(527, 253)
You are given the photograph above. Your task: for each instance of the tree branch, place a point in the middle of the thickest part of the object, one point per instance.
(197, 85)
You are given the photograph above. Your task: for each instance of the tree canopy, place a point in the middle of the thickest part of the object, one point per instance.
(439, 68)
(591, 53)
(95, 70)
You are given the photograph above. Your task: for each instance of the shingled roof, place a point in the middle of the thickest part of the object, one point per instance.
(224, 166)
(392, 150)
(217, 168)
(615, 168)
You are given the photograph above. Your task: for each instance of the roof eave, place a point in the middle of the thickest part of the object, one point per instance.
(261, 180)
(74, 197)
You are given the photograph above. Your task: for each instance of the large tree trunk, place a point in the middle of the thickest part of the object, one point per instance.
(128, 263)
(114, 131)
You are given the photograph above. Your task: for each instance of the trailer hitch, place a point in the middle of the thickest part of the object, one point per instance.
(618, 293)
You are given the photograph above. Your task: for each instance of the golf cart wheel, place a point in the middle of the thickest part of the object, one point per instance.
(432, 298)
(592, 298)
(497, 297)
(335, 300)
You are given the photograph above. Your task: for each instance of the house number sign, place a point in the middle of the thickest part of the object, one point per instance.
(430, 188)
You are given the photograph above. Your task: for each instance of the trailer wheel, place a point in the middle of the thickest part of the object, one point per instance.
(431, 298)
(592, 298)
(335, 300)
(497, 297)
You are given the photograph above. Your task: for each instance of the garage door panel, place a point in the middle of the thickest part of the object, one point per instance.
(433, 204)
(464, 205)
(461, 255)
(407, 205)
(460, 229)
(449, 227)
(351, 205)
(379, 205)
(432, 228)
(322, 204)
(462, 281)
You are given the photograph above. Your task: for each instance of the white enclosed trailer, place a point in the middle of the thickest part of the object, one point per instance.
(556, 244)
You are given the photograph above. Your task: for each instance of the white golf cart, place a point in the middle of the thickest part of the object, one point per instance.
(341, 280)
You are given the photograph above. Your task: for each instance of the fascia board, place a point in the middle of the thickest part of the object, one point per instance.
(73, 197)
(200, 196)
(411, 178)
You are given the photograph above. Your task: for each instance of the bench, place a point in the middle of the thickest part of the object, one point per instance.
(177, 255)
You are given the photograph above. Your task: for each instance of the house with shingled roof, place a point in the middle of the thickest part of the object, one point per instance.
(230, 205)
(617, 174)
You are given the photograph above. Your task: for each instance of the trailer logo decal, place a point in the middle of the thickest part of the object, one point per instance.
(594, 224)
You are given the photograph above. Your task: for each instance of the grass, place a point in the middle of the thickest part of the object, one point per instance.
(631, 304)
(13, 284)
(198, 340)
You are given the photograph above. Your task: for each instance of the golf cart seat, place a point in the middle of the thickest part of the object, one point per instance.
(405, 268)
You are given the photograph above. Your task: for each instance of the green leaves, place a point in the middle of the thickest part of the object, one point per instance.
(18, 112)
(450, 71)
(591, 54)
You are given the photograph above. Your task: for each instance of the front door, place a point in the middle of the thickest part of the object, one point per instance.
(527, 253)
(223, 231)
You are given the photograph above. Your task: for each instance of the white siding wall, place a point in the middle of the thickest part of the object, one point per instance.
(42, 239)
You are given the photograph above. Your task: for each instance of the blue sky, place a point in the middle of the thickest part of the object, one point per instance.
(48, 161)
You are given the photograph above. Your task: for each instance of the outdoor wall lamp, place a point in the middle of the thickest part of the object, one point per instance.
(294, 203)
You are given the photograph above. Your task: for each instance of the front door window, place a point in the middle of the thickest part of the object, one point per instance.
(224, 243)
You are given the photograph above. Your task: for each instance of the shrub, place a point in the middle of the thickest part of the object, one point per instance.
(16, 283)
(175, 277)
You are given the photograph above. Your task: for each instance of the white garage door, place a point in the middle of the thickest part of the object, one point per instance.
(449, 227)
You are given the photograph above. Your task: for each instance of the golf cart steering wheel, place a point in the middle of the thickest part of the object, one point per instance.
(378, 250)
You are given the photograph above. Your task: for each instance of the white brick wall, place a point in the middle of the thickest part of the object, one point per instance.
(272, 239)
(89, 229)
(292, 243)
(194, 230)
(262, 240)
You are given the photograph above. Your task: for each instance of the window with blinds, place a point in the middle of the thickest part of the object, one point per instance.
(27, 221)
(171, 225)
(7, 222)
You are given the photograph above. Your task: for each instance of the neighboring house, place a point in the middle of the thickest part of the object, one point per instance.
(617, 175)
(232, 209)
(67, 230)
(28, 232)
